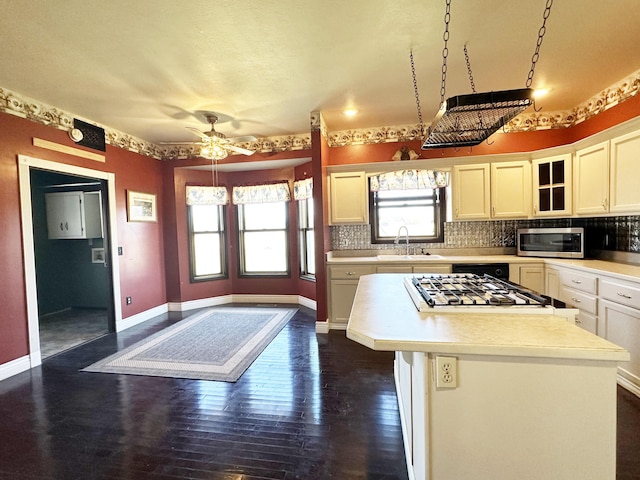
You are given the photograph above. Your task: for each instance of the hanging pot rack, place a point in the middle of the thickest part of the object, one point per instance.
(468, 120)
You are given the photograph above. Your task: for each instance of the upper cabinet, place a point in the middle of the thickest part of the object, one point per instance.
(348, 198)
(510, 189)
(606, 177)
(623, 172)
(552, 186)
(471, 192)
(73, 215)
(496, 190)
(591, 180)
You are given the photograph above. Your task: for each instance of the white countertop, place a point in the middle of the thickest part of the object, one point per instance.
(383, 317)
(628, 271)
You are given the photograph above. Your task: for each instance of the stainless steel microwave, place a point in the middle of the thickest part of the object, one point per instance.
(551, 242)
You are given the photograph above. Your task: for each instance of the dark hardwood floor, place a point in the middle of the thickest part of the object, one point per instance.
(310, 407)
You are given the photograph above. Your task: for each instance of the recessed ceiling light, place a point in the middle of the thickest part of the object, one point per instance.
(540, 92)
(350, 112)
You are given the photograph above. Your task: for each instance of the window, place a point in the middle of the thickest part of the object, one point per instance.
(307, 245)
(262, 233)
(207, 242)
(421, 211)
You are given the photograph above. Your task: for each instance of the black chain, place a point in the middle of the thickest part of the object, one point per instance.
(541, 32)
(445, 51)
(466, 57)
(415, 90)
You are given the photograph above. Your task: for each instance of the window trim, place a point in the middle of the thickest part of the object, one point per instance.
(440, 211)
(193, 278)
(241, 247)
(302, 239)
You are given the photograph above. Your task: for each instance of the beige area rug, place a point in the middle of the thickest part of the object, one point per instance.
(216, 344)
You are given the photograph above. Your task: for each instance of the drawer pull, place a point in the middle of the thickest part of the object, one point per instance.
(577, 281)
(577, 300)
(350, 273)
(624, 295)
(578, 322)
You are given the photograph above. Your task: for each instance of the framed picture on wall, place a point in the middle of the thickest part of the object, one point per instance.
(141, 207)
(97, 255)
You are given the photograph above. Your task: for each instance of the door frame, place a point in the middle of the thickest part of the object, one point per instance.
(25, 163)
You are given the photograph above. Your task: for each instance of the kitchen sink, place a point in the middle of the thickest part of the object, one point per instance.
(409, 257)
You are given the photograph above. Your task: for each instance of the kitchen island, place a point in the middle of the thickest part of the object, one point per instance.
(487, 396)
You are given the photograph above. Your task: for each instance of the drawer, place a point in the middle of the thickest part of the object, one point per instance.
(351, 271)
(619, 291)
(579, 281)
(580, 300)
(588, 322)
(394, 269)
(432, 268)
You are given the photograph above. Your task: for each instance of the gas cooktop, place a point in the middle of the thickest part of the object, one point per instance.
(469, 290)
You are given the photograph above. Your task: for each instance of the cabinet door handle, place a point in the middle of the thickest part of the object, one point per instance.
(493, 210)
(604, 204)
(577, 281)
(577, 300)
(61, 227)
(624, 295)
(578, 322)
(66, 226)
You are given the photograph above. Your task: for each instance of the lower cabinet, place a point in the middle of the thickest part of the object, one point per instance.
(343, 282)
(528, 275)
(619, 322)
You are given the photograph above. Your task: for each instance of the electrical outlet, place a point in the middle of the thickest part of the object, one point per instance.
(128, 300)
(446, 372)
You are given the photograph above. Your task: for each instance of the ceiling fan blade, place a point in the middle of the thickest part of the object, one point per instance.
(202, 135)
(242, 151)
(244, 139)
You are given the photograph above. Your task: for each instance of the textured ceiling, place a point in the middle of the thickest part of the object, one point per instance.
(150, 67)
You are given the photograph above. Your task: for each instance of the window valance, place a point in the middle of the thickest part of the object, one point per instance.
(409, 180)
(275, 192)
(303, 189)
(207, 195)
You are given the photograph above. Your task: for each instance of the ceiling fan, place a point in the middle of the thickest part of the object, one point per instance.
(215, 145)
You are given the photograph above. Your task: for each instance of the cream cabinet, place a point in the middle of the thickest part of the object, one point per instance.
(417, 269)
(74, 215)
(511, 189)
(552, 187)
(591, 180)
(348, 193)
(530, 276)
(619, 322)
(623, 174)
(551, 282)
(471, 192)
(343, 282)
(579, 290)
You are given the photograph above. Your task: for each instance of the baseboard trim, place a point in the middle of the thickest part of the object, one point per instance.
(14, 367)
(141, 317)
(212, 302)
(322, 327)
(629, 385)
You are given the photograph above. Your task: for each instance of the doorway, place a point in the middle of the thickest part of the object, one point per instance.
(69, 282)
(72, 274)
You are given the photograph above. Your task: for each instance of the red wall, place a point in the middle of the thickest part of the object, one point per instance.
(142, 271)
(179, 286)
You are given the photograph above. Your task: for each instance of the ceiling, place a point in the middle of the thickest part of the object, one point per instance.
(149, 68)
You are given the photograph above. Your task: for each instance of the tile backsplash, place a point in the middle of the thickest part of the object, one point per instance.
(620, 233)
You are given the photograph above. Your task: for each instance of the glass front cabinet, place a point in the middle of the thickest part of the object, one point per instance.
(552, 186)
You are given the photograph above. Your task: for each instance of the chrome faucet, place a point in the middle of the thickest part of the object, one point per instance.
(406, 237)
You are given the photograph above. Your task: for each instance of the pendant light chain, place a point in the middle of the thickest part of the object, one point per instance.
(445, 51)
(415, 90)
(541, 32)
